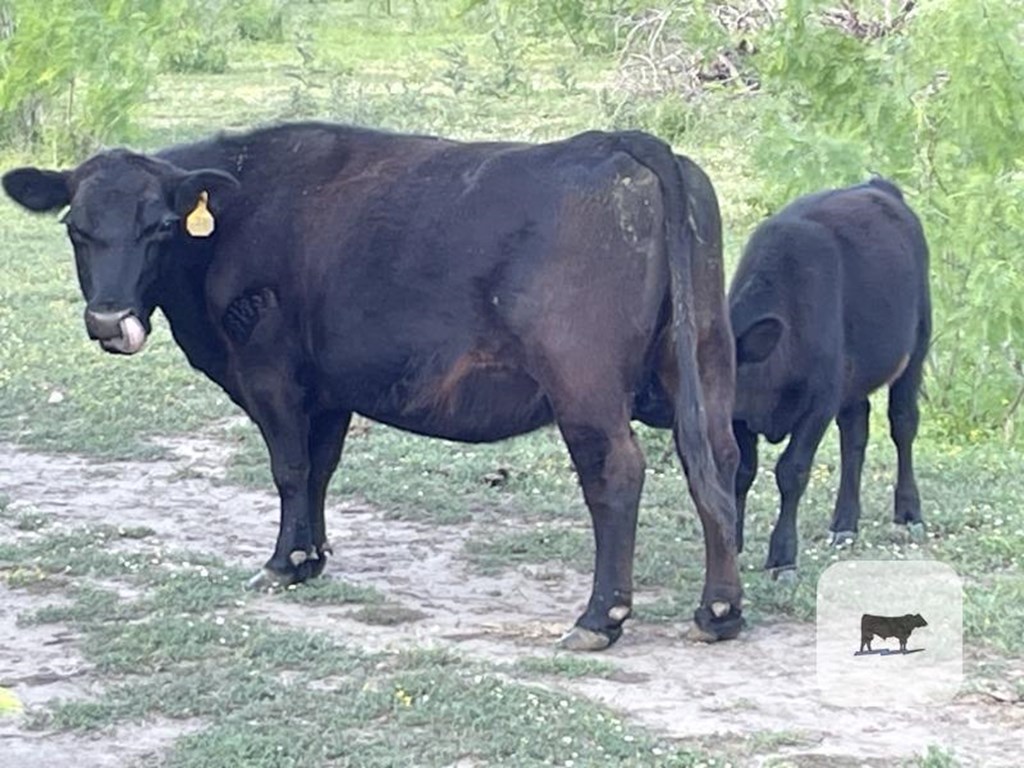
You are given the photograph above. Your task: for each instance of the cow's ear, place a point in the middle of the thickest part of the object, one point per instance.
(758, 341)
(37, 189)
(188, 189)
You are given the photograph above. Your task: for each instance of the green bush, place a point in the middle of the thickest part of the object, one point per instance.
(259, 20)
(593, 26)
(71, 73)
(194, 36)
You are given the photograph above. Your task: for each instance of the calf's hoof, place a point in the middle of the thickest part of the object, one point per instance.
(917, 532)
(783, 574)
(714, 622)
(840, 539)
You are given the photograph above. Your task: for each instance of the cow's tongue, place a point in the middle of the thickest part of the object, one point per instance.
(133, 336)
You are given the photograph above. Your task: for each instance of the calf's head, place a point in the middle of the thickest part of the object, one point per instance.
(123, 211)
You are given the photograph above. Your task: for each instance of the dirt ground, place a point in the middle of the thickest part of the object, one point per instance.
(759, 685)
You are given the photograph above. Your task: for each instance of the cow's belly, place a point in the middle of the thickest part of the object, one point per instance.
(483, 405)
(874, 369)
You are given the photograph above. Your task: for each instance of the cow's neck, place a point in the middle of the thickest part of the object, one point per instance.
(180, 294)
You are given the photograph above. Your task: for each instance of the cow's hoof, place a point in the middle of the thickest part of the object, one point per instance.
(719, 621)
(841, 539)
(268, 581)
(917, 532)
(786, 574)
(299, 566)
(580, 639)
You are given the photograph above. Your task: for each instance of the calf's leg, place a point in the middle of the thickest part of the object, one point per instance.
(853, 440)
(903, 422)
(745, 474)
(791, 475)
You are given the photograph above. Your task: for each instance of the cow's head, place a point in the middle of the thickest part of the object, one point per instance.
(919, 620)
(123, 211)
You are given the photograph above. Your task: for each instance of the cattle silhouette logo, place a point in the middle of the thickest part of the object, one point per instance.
(908, 611)
(885, 627)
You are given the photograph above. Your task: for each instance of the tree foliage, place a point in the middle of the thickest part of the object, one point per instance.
(73, 74)
(935, 102)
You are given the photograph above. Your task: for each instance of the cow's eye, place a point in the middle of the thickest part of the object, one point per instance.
(166, 225)
(75, 232)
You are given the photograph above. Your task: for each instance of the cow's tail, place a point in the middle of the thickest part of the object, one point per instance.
(690, 428)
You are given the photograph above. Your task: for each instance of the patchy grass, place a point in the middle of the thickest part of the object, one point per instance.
(936, 757)
(331, 592)
(564, 665)
(544, 542)
(388, 614)
(185, 647)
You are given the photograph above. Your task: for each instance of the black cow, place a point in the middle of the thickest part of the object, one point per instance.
(899, 627)
(829, 302)
(465, 291)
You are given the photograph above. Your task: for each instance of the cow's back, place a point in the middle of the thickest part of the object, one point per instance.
(413, 274)
(884, 282)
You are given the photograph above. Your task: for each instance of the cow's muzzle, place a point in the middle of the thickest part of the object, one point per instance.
(119, 332)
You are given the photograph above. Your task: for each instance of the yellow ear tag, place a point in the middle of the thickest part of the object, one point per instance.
(200, 222)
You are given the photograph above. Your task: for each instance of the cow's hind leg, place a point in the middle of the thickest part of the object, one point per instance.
(903, 422)
(853, 440)
(610, 465)
(791, 475)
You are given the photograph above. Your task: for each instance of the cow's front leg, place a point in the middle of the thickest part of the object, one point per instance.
(275, 403)
(610, 466)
